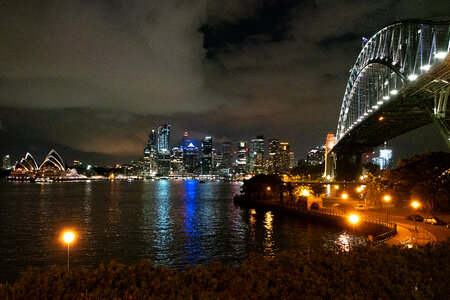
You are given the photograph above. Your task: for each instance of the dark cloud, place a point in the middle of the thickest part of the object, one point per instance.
(96, 76)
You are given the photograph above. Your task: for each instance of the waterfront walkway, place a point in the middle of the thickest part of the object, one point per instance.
(406, 233)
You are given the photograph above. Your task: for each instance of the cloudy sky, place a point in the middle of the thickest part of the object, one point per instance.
(92, 78)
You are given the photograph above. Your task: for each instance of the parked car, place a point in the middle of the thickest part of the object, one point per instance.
(360, 206)
(416, 218)
(434, 221)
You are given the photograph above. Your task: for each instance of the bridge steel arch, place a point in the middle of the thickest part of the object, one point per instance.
(402, 72)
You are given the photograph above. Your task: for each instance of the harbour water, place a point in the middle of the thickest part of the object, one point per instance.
(173, 223)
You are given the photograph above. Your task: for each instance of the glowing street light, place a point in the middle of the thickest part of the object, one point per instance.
(305, 193)
(387, 198)
(68, 237)
(344, 196)
(353, 219)
(415, 205)
(268, 188)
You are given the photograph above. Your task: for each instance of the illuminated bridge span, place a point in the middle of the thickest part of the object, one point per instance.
(399, 82)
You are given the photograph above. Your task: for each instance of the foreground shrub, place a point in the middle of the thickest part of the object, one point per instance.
(367, 273)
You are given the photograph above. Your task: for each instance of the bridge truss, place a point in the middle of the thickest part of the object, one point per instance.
(403, 73)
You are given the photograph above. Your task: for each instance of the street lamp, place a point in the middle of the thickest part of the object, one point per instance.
(415, 205)
(353, 219)
(68, 237)
(344, 196)
(387, 198)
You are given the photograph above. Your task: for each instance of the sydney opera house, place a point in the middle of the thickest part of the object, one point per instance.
(53, 168)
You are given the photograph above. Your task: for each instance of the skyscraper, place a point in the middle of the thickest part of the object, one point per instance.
(285, 160)
(163, 150)
(207, 155)
(242, 158)
(274, 156)
(163, 138)
(226, 155)
(190, 158)
(176, 161)
(151, 156)
(6, 163)
(257, 155)
(383, 157)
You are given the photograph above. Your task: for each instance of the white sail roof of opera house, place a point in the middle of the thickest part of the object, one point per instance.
(28, 163)
(54, 159)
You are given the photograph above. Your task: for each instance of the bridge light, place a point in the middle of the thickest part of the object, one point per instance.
(386, 97)
(425, 67)
(412, 77)
(440, 55)
(394, 92)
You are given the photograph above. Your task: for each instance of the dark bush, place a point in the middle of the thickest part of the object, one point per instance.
(367, 273)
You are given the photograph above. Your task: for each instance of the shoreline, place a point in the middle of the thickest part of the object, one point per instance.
(376, 229)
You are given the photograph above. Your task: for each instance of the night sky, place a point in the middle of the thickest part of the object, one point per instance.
(92, 78)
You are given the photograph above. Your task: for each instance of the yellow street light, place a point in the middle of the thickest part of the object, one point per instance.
(344, 196)
(353, 219)
(387, 198)
(268, 188)
(336, 187)
(415, 205)
(68, 237)
(305, 193)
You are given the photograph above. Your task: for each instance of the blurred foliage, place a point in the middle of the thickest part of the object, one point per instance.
(375, 189)
(257, 185)
(305, 171)
(424, 177)
(367, 273)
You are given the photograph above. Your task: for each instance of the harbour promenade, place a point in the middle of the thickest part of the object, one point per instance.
(377, 229)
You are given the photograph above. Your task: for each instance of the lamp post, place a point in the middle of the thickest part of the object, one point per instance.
(415, 205)
(387, 198)
(353, 219)
(68, 237)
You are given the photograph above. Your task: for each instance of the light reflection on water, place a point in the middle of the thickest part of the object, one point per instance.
(172, 223)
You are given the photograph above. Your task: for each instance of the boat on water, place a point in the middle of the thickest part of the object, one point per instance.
(44, 180)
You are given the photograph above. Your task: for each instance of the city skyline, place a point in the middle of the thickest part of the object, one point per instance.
(92, 80)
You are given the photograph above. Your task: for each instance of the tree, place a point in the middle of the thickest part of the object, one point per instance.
(375, 189)
(424, 177)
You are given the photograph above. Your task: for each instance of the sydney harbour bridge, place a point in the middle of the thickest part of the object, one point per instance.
(399, 82)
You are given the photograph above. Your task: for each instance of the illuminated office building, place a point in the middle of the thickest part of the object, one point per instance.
(383, 157)
(6, 163)
(274, 156)
(257, 155)
(176, 161)
(207, 155)
(164, 150)
(190, 158)
(151, 155)
(285, 160)
(242, 158)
